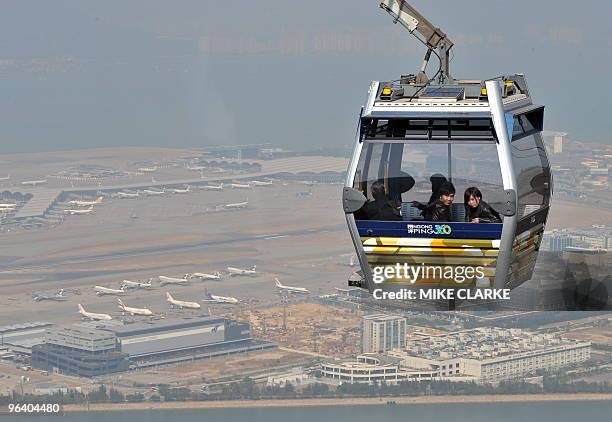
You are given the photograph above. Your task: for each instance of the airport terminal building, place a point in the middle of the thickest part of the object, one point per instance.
(97, 348)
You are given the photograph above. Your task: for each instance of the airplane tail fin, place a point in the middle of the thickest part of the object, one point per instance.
(61, 292)
(81, 309)
(254, 267)
(120, 302)
(277, 282)
(169, 296)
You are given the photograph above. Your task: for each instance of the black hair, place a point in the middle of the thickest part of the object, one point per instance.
(446, 188)
(469, 192)
(378, 189)
(437, 180)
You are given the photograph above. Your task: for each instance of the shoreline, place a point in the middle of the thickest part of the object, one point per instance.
(364, 401)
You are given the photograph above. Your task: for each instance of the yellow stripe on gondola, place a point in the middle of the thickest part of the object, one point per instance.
(433, 260)
(420, 242)
(467, 252)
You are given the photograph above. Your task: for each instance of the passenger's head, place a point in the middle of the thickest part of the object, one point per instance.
(472, 197)
(446, 193)
(378, 190)
(437, 180)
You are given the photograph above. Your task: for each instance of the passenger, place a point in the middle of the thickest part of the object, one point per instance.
(477, 210)
(436, 180)
(399, 184)
(440, 209)
(381, 208)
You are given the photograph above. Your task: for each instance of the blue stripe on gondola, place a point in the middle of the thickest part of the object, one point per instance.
(417, 229)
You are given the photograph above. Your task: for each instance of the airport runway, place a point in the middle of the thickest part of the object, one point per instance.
(302, 239)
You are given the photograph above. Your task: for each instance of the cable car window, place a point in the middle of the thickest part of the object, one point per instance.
(429, 129)
(409, 173)
(528, 124)
(532, 173)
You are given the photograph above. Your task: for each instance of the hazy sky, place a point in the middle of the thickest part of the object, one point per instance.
(82, 74)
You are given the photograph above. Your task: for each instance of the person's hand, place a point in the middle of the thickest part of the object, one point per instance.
(476, 220)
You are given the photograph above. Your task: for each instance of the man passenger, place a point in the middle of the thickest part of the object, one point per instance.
(440, 209)
(381, 208)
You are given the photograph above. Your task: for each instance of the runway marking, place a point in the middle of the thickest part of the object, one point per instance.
(276, 237)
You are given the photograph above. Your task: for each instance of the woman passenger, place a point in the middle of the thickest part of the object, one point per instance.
(477, 210)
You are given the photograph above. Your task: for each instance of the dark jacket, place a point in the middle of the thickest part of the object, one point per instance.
(437, 211)
(484, 212)
(382, 210)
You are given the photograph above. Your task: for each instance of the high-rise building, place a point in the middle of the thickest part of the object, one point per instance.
(558, 142)
(380, 332)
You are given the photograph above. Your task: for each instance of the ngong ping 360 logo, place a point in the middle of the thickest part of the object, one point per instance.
(437, 229)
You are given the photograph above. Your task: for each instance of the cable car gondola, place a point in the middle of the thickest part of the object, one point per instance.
(417, 131)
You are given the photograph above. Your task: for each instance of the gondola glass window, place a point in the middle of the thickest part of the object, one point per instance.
(411, 161)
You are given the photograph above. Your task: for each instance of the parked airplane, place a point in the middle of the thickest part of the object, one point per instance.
(204, 276)
(151, 192)
(196, 168)
(178, 190)
(181, 303)
(127, 195)
(260, 183)
(233, 271)
(213, 187)
(81, 203)
(240, 186)
(59, 296)
(290, 289)
(93, 316)
(210, 298)
(163, 280)
(34, 182)
(237, 205)
(8, 206)
(79, 212)
(3, 179)
(100, 291)
(133, 311)
(147, 169)
(127, 284)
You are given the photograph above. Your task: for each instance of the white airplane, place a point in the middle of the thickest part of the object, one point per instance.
(87, 203)
(34, 182)
(79, 212)
(93, 316)
(3, 179)
(151, 192)
(178, 190)
(133, 311)
(147, 169)
(240, 186)
(59, 296)
(127, 284)
(196, 168)
(237, 205)
(204, 276)
(210, 298)
(233, 271)
(290, 289)
(163, 280)
(108, 291)
(181, 303)
(260, 183)
(127, 195)
(213, 187)
(8, 206)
